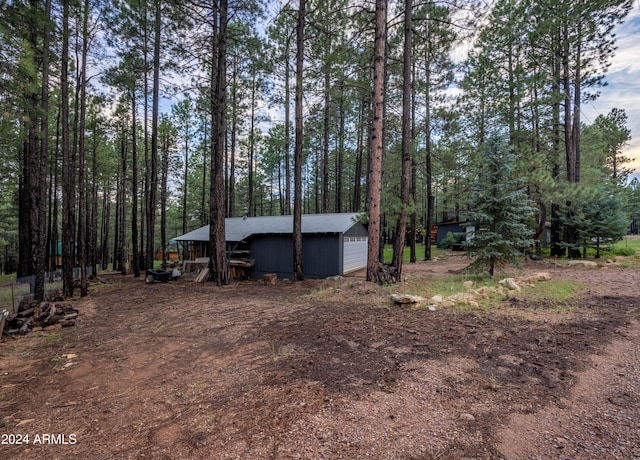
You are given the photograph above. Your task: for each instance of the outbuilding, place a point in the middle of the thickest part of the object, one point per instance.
(332, 244)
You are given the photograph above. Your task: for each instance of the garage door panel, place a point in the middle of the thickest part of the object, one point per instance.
(355, 253)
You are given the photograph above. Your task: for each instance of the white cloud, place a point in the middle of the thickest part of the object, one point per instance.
(623, 89)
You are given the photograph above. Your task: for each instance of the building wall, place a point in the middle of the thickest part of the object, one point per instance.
(321, 255)
(357, 230)
(444, 228)
(355, 253)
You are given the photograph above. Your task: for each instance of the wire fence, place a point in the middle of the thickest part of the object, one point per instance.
(13, 292)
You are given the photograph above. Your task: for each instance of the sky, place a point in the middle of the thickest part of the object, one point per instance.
(623, 88)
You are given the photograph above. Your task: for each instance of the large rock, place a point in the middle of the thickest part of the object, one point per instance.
(511, 284)
(406, 298)
(584, 263)
(534, 278)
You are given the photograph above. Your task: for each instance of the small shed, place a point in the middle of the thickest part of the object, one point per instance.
(441, 229)
(332, 244)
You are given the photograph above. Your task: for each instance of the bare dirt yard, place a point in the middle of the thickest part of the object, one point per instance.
(329, 369)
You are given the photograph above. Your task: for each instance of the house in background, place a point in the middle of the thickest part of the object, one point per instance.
(441, 229)
(332, 244)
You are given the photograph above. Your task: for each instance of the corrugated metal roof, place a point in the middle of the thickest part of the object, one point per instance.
(239, 228)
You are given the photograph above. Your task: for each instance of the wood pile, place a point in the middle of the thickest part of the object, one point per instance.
(387, 274)
(32, 314)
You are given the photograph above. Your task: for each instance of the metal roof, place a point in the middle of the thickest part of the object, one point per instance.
(239, 228)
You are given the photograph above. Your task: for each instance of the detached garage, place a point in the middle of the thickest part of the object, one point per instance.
(332, 244)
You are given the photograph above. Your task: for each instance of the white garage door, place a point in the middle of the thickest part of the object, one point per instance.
(355, 253)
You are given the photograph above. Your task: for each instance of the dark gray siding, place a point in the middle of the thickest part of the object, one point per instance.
(443, 229)
(357, 230)
(321, 255)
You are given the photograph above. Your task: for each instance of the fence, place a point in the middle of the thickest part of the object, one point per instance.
(14, 291)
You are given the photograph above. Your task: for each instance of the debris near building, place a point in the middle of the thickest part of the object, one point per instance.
(34, 315)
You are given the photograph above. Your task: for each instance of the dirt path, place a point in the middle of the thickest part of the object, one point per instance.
(328, 370)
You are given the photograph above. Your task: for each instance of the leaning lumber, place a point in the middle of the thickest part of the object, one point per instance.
(202, 276)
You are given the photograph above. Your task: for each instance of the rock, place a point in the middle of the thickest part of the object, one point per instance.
(467, 284)
(485, 291)
(511, 284)
(406, 298)
(463, 297)
(437, 298)
(616, 260)
(335, 278)
(584, 263)
(467, 417)
(534, 278)
(432, 308)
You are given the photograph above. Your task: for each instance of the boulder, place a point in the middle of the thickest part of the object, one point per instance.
(534, 278)
(406, 298)
(511, 284)
(584, 263)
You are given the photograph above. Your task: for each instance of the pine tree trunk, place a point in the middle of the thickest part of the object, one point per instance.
(405, 179)
(217, 243)
(68, 170)
(374, 176)
(155, 111)
(134, 187)
(298, 271)
(82, 183)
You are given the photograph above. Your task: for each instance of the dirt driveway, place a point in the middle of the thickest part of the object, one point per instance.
(328, 369)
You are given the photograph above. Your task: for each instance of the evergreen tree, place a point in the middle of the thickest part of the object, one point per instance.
(498, 209)
(602, 218)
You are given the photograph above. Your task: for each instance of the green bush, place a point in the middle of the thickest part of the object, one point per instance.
(620, 251)
(450, 239)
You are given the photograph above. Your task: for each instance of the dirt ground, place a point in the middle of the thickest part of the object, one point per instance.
(329, 369)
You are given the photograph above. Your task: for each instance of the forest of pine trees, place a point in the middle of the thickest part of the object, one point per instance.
(124, 123)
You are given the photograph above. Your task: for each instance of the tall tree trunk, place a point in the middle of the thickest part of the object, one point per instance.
(340, 152)
(55, 207)
(68, 170)
(298, 271)
(93, 222)
(428, 159)
(252, 201)
(203, 201)
(155, 110)
(405, 179)
(217, 242)
(287, 133)
(413, 217)
(374, 177)
(122, 234)
(185, 177)
(106, 226)
(356, 201)
(325, 134)
(556, 226)
(134, 186)
(164, 176)
(232, 161)
(82, 183)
